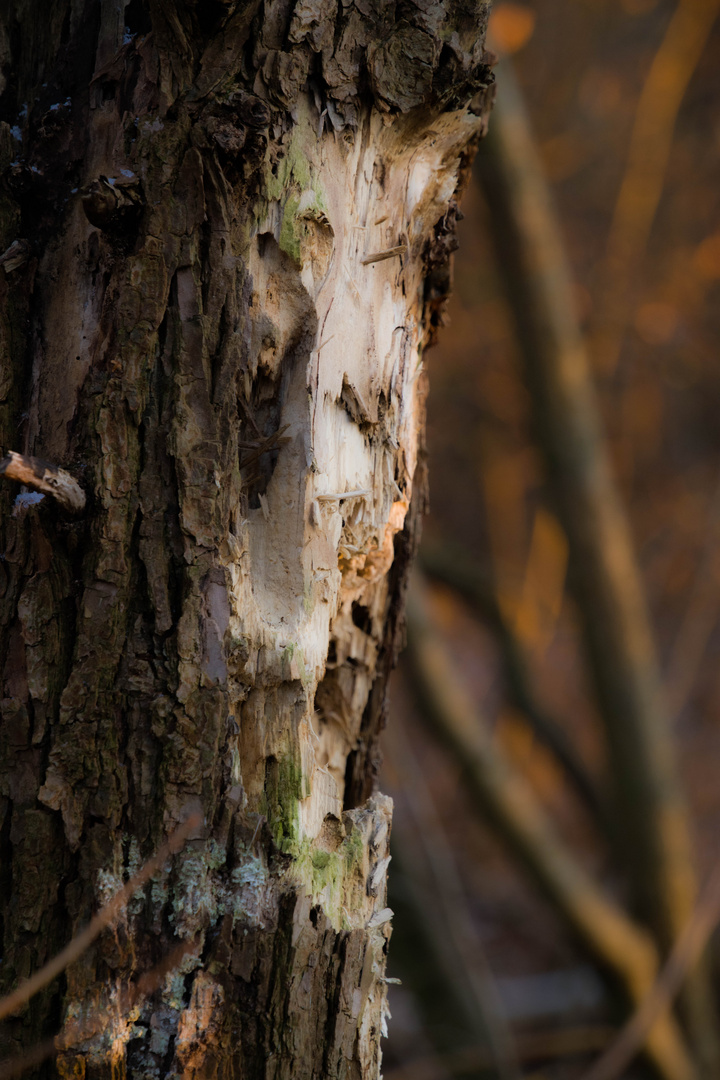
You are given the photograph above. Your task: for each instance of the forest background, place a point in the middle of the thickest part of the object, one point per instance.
(598, 77)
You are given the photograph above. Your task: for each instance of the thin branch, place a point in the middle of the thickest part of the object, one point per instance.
(82, 941)
(273, 442)
(700, 617)
(453, 567)
(688, 948)
(17, 1065)
(46, 478)
(653, 830)
(75, 1031)
(506, 800)
(604, 575)
(531, 1046)
(647, 161)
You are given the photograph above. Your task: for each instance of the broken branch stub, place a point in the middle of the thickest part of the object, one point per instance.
(16, 256)
(46, 478)
(111, 205)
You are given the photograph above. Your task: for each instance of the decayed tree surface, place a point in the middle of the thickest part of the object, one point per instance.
(226, 230)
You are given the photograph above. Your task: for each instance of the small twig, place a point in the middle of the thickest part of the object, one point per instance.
(76, 1032)
(260, 822)
(686, 953)
(248, 481)
(46, 478)
(82, 941)
(324, 343)
(354, 286)
(245, 406)
(378, 256)
(343, 494)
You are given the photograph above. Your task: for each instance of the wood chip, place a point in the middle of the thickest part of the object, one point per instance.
(46, 478)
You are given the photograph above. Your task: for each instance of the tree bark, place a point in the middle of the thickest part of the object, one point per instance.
(227, 229)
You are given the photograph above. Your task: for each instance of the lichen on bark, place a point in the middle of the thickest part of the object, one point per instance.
(198, 328)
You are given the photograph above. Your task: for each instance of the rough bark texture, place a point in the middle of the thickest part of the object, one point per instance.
(202, 325)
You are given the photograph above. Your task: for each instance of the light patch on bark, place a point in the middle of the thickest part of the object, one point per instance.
(347, 336)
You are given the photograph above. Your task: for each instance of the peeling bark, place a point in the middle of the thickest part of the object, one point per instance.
(227, 228)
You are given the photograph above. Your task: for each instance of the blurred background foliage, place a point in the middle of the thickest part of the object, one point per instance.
(507, 968)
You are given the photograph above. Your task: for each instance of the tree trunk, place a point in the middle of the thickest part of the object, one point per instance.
(226, 228)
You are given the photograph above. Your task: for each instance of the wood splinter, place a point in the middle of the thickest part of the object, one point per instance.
(340, 495)
(378, 256)
(16, 255)
(46, 478)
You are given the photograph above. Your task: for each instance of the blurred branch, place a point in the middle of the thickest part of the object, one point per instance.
(652, 824)
(688, 948)
(648, 156)
(531, 1046)
(107, 915)
(454, 923)
(454, 568)
(615, 943)
(701, 615)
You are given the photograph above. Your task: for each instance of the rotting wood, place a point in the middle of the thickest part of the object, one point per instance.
(201, 635)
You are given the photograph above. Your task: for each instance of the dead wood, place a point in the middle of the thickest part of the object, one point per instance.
(197, 185)
(46, 478)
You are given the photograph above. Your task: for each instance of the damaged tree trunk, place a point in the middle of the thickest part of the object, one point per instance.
(226, 229)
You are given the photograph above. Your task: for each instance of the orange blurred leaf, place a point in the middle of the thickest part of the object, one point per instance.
(706, 259)
(562, 155)
(510, 28)
(657, 322)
